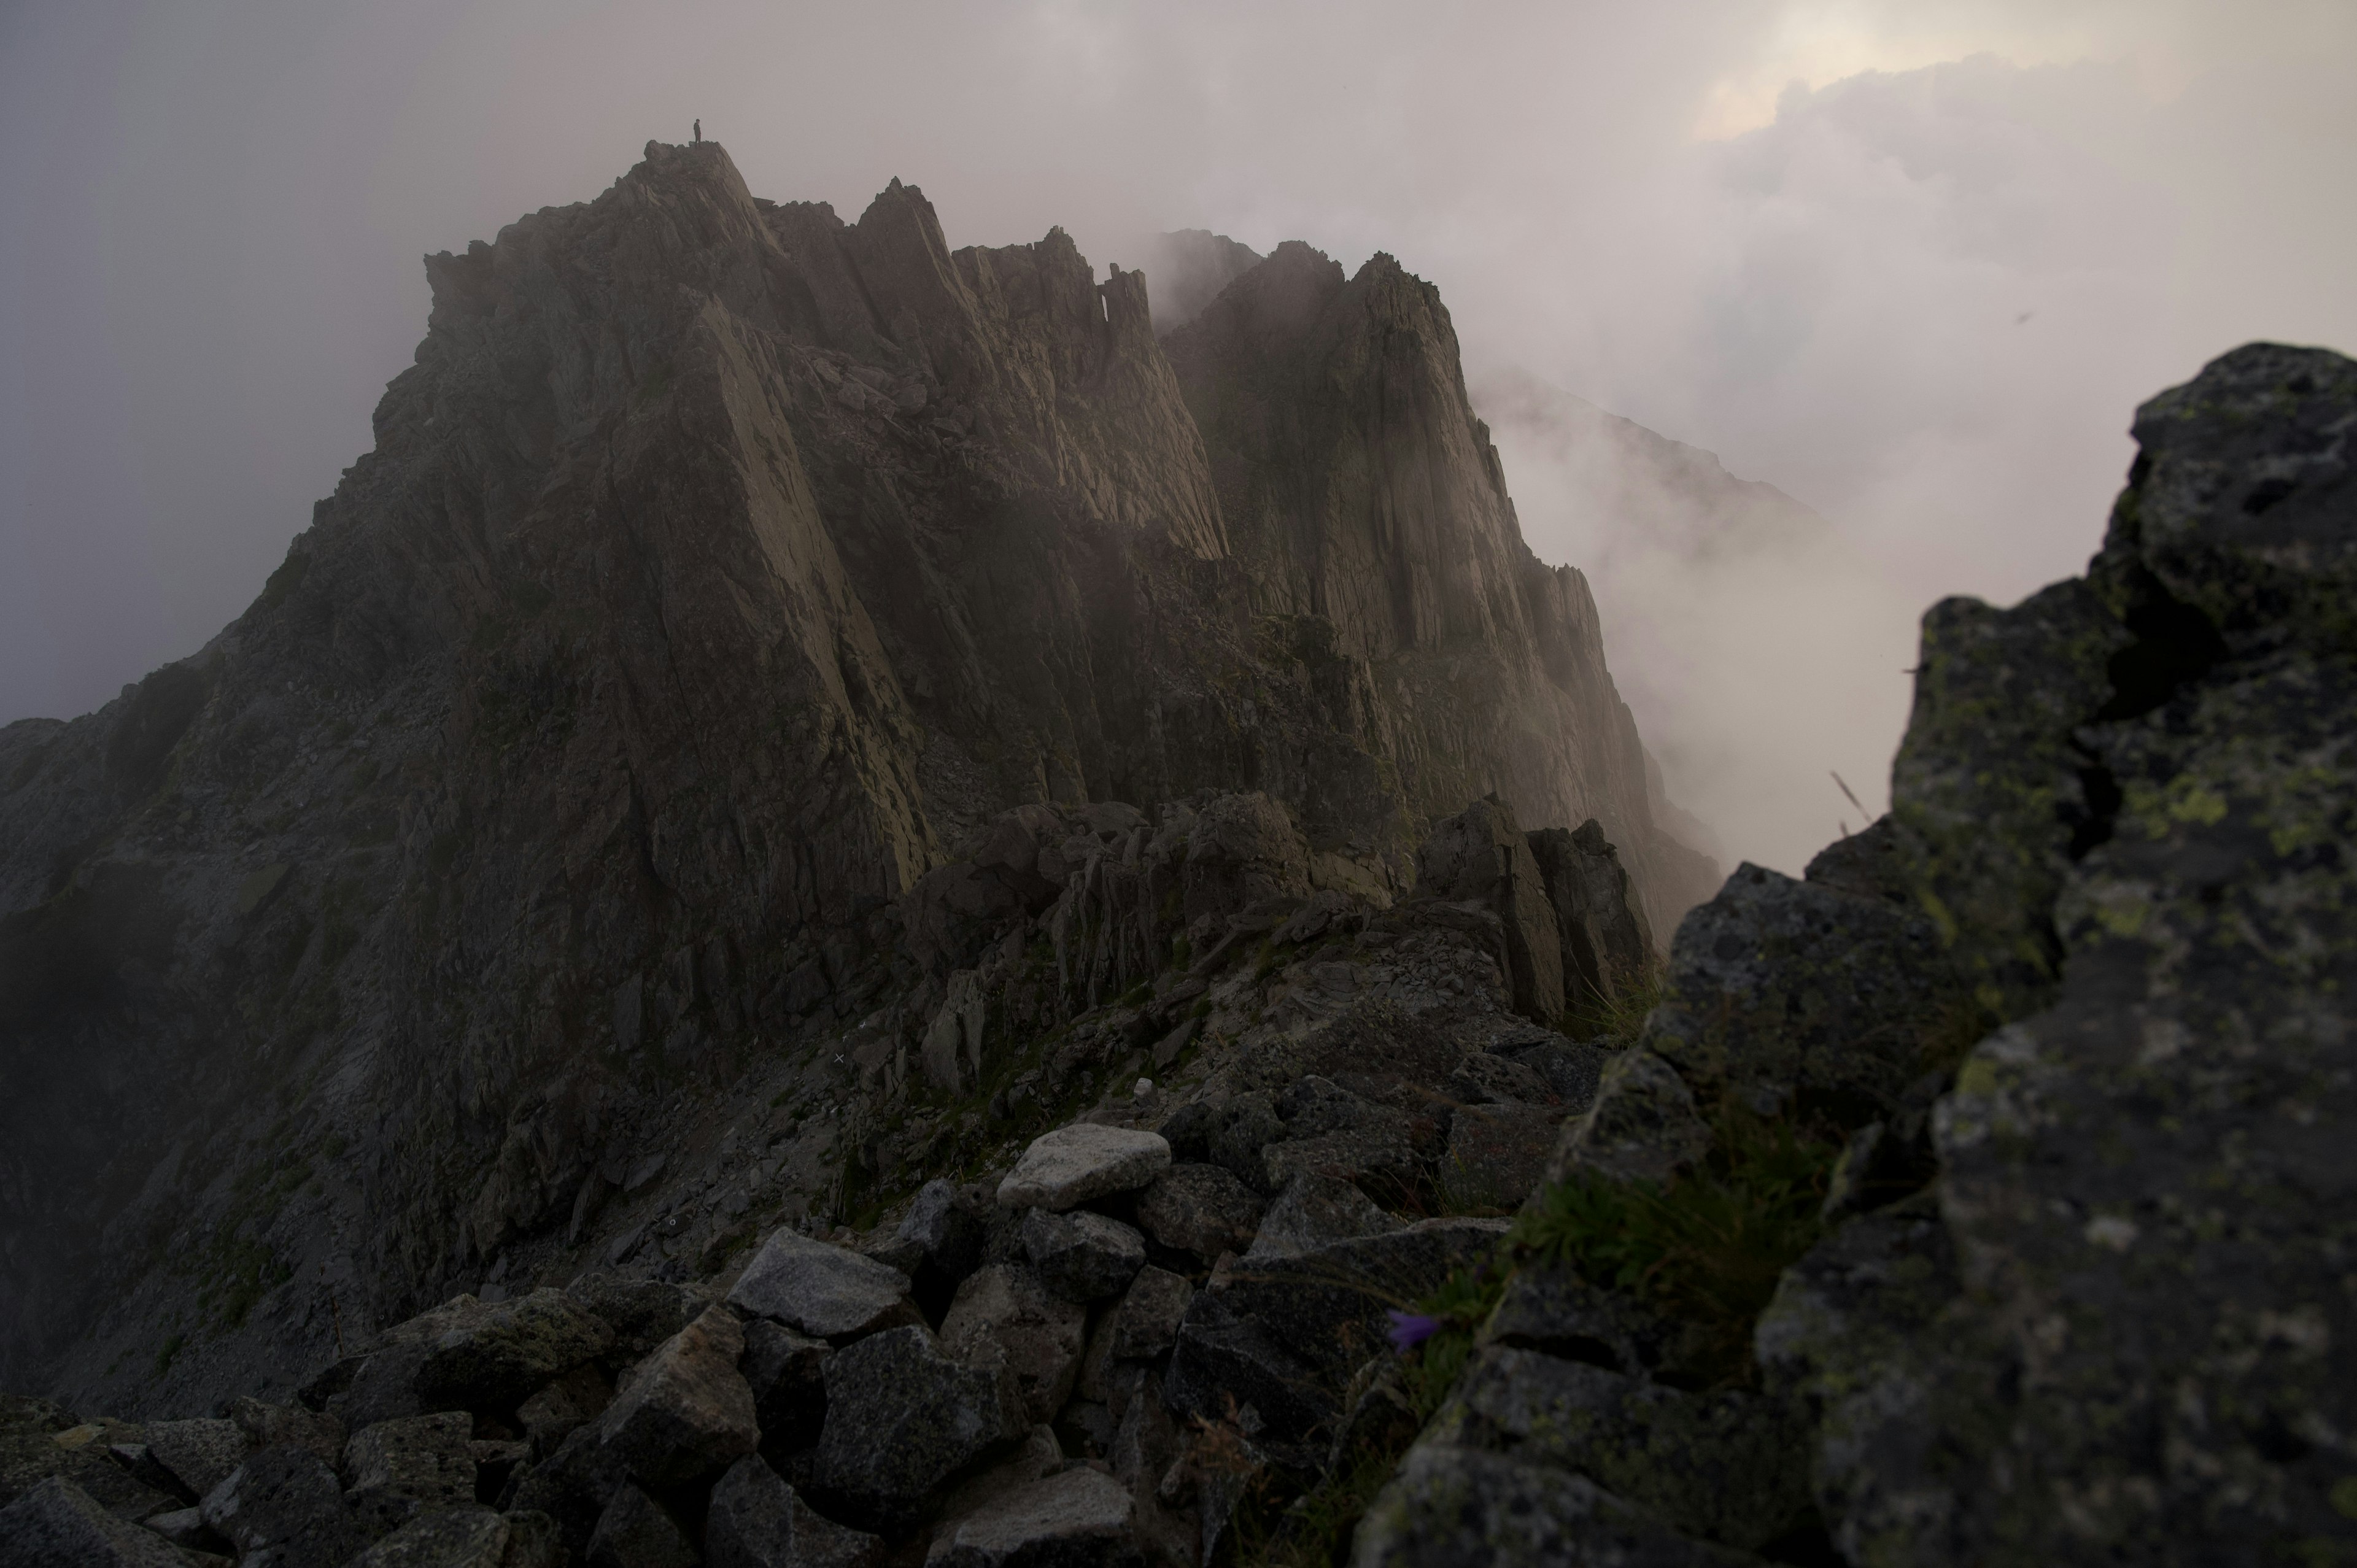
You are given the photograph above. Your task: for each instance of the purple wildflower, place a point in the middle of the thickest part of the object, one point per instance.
(1410, 1329)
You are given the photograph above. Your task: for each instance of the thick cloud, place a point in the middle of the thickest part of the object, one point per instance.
(1922, 298)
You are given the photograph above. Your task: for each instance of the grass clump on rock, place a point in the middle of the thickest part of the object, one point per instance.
(1706, 1247)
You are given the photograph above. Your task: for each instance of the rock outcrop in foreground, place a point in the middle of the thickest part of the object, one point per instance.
(1980, 1197)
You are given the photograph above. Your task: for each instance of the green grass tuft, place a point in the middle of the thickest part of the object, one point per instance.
(1708, 1247)
(1618, 1016)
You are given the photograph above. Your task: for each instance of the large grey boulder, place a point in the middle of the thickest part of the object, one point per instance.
(1078, 1517)
(1081, 1256)
(1448, 1507)
(686, 1413)
(903, 1419)
(501, 1353)
(1005, 1316)
(1071, 1165)
(1200, 1208)
(1479, 853)
(829, 1292)
(284, 1501)
(395, 1468)
(197, 1454)
(757, 1520)
(56, 1524)
(1794, 996)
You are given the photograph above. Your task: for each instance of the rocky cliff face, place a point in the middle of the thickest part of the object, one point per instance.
(721, 571)
(1120, 1184)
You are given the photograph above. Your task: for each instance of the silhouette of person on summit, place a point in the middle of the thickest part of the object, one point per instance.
(699, 132)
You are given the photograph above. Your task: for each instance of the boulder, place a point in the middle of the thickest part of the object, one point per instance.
(828, 1292)
(533, 1541)
(1482, 1079)
(903, 1419)
(1038, 1455)
(1315, 1211)
(467, 1536)
(1006, 1316)
(1642, 1127)
(1072, 1164)
(1450, 1506)
(501, 1355)
(269, 1426)
(56, 1524)
(1790, 994)
(787, 1373)
(757, 1520)
(945, 1230)
(686, 1411)
(395, 1468)
(1572, 1069)
(184, 1527)
(198, 1455)
(1312, 1105)
(39, 1440)
(1285, 1336)
(1379, 1153)
(1608, 943)
(284, 1501)
(1081, 1256)
(1147, 1322)
(1079, 1517)
(1481, 854)
(635, 1532)
(1729, 1466)
(579, 1396)
(1550, 1307)
(1241, 851)
(1498, 1154)
(640, 1314)
(1199, 1209)
(379, 1386)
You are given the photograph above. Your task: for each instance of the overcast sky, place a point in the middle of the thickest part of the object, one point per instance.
(1915, 264)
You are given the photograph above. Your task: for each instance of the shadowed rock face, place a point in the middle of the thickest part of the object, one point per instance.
(719, 568)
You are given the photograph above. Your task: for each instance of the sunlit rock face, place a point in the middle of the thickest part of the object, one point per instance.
(720, 570)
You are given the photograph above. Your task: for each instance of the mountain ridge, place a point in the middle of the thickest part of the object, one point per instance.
(719, 569)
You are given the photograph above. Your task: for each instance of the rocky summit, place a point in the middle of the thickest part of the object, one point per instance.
(845, 909)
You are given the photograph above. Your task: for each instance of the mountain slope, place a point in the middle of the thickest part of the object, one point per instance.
(720, 568)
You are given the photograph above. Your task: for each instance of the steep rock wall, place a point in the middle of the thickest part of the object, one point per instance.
(719, 568)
